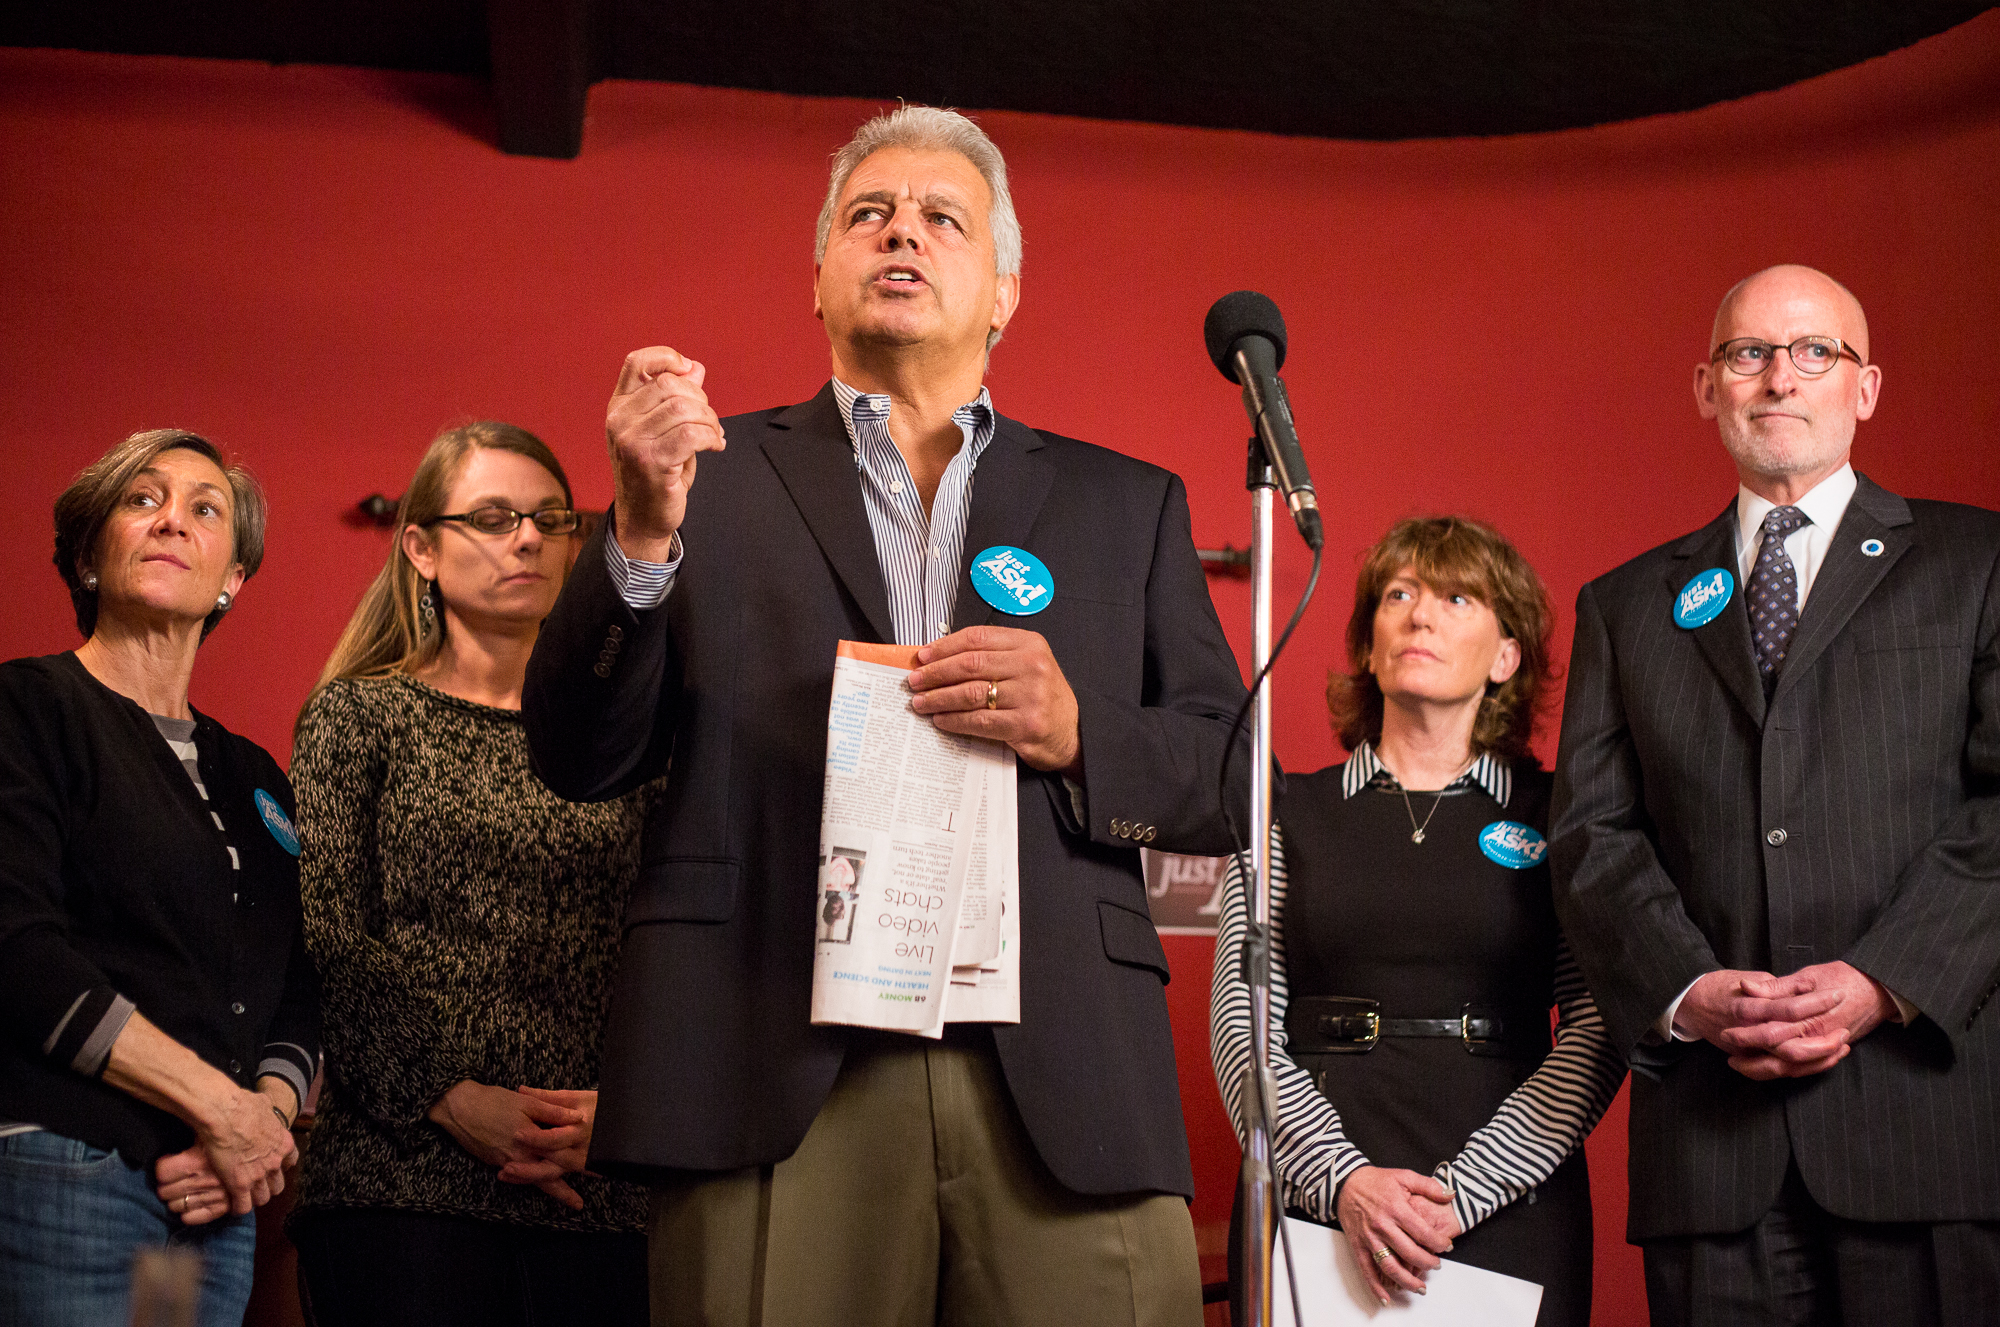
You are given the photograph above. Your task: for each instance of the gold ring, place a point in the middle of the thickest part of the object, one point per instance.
(1381, 1255)
(992, 695)
(184, 1202)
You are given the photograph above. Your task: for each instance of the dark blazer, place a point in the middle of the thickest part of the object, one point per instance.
(710, 1060)
(1855, 815)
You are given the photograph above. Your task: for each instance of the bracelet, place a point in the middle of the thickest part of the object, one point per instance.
(287, 1124)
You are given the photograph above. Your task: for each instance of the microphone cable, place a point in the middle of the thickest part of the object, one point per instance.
(1250, 698)
(1257, 939)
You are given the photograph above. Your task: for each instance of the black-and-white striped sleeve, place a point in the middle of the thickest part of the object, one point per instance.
(1311, 1151)
(1546, 1118)
(1540, 1123)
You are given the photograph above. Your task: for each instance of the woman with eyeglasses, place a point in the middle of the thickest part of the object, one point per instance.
(466, 924)
(1425, 1108)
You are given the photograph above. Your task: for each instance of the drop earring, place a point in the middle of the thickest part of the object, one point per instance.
(426, 612)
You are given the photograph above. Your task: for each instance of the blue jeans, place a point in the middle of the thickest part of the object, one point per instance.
(72, 1216)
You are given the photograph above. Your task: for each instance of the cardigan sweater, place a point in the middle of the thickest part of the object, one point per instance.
(467, 922)
(123, 886)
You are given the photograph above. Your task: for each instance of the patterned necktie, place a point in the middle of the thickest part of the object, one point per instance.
(1774, 593)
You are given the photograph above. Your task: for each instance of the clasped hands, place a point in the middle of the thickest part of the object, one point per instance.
(1407, 1214)
(239, 1158)
(535, 1135)
(1785, 1027)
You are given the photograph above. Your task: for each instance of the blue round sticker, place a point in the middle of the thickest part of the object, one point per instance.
(1512, 844)
(1013, 580)
(1702, 598)
(277, 822)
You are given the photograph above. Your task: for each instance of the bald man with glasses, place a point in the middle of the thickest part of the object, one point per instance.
(1776, 851)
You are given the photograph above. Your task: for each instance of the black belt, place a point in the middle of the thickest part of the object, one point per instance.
(1351, 1025)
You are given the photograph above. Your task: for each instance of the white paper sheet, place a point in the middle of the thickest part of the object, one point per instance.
(1334, 1294)
(908, 811)
(978, 939)
(990, 991)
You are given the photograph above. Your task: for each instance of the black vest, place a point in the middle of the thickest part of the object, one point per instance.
(1426, 930)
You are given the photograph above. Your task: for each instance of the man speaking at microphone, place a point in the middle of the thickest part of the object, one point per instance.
(1009, 1173)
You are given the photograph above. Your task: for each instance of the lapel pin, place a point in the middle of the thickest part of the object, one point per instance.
(1871, 548)
(1703, 598)
(1013, 580)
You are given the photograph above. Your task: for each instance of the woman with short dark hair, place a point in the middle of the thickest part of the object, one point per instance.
(1415, 950)
(159, 1011)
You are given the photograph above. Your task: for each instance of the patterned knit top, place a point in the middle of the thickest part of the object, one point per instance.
(466, 922)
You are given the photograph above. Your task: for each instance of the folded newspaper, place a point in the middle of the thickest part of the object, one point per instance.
(917, 906)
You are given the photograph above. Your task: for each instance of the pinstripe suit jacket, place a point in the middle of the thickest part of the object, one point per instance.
(1878, 757)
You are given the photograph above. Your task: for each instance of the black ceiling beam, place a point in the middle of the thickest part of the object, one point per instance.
(1387, 69)
(448, 36)
(544, 59)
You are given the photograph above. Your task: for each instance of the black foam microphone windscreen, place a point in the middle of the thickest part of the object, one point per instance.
(1236, 315)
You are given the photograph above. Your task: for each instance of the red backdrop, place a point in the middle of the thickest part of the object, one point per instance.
(320, 267)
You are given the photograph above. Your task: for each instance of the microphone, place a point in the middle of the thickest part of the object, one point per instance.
(1246, 340)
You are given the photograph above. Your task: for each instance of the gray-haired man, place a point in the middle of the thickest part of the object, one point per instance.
(1030, 1172)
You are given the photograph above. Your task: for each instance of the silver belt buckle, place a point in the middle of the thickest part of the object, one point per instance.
(1465, 1032)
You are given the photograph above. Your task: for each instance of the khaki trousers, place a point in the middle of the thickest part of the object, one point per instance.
(916, 1199)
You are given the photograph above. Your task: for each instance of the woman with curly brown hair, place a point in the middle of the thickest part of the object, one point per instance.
(1415, 951)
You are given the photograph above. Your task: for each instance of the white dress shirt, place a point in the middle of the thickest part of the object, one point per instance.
(1806, 546)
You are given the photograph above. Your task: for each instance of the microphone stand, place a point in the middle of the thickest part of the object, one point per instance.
(1250, 1296)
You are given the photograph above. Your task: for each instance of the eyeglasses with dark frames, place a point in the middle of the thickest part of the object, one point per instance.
(1811, 355)
(505, 520)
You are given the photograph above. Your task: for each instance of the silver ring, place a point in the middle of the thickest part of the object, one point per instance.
(992, 695)
(1381, 1255)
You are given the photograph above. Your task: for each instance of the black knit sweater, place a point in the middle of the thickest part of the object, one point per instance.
(117, 885)
(466, 923)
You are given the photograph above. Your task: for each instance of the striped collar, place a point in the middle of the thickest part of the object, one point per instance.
(860, 408)
(1363, 769)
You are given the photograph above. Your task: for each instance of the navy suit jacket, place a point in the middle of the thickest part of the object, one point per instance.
(711, 1062)
(1854, 815)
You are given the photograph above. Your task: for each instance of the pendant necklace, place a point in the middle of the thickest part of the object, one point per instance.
(1416, 830)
